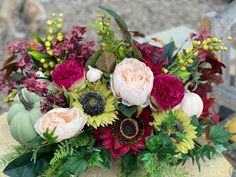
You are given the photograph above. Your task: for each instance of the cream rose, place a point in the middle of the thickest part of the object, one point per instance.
(66, 122)
(132, 81)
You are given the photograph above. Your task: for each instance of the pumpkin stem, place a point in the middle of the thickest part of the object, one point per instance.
(28, 105)
(186, 86)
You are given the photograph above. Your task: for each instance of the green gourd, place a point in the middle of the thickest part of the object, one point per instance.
(23, 114)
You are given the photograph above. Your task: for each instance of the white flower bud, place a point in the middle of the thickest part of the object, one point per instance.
(93, 74)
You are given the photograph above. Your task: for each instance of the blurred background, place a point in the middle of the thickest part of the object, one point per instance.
(18, 18)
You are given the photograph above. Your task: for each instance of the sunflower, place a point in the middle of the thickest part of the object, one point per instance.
(181, 126)
(126, 134)
(97, 102)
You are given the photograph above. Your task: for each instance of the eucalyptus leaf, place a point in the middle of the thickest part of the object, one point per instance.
(106, 62)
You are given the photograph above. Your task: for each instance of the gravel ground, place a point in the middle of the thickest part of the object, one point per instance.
(149, 16)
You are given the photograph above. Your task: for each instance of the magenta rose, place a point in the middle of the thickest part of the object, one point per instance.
(153, 57)
(69, 74)
(167, 91)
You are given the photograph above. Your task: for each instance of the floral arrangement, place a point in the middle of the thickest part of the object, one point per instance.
(75, 107)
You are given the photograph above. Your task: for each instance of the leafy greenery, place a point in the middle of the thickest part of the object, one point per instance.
(219, 135)
(67, 148)
(25, 166)
(106, 158)
(169, 49)
(150, 166)
(200, 127)
(92, 60)
(49, 136)
(200, 152)
(16, 152)
(38, 39)
(128, 164)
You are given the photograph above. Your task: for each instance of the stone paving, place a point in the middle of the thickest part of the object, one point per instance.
(148, 16)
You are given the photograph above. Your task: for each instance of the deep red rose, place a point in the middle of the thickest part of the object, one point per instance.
(153, 57)
(167, 92)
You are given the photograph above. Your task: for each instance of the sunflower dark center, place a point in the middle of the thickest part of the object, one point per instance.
(93, 103)
(178, 127)
(128, 130)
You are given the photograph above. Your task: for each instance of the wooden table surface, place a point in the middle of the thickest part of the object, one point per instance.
(214, 168)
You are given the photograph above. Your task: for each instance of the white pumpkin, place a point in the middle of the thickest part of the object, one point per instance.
(192, 104)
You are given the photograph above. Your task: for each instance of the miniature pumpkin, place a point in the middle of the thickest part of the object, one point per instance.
(23, 114)
(231, 127)
(192, 104)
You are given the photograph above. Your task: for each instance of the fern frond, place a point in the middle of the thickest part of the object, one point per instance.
(61, 152)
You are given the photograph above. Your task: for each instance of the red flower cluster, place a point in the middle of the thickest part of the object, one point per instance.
(167, 91)
(71, 47)
(153, 57)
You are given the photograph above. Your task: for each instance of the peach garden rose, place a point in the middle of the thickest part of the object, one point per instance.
(66, 122)
(132, 81)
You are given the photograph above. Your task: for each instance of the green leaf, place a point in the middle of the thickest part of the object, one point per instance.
(92, 60)
(74, 165)
(95, 160)
(24, 166)
(85, 139)
(127, 110)
(49, 136)
(153, 142)
(120, 22)
(114, 15)
(128, 164)
(170, 120)
(137, 52)
(106, 158)
(38, 55)
(17, 76)
(37, 38)
(182, 75)
(180, 135)
(106, 62)
(200, 128)
(169, 49)
(38, 140)
(219, 135)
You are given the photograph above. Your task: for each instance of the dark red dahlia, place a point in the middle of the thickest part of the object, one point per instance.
(153, 57)
(126, 135)
(167, 92)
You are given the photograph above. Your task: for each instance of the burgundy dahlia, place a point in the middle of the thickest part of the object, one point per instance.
(125, 135)
(167, 91)
(68, 74)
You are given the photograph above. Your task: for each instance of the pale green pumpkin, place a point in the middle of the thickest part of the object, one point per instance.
(23, 114)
